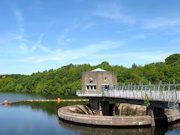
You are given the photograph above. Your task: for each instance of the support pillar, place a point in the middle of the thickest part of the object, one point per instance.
(101, 107)
(150, 112)
(158, 118)
(105, 108)
(94, 103)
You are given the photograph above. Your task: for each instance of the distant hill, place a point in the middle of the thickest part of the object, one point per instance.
(67, 79)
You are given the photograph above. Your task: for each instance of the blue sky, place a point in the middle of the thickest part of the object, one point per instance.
(38, 35)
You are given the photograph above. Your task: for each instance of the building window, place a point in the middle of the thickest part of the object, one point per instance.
(91, 87)
(105, 79)
(90, 80)
(105, 87)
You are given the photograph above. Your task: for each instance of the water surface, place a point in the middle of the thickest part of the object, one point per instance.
(31, 118)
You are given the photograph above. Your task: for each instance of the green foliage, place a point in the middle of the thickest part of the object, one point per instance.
(67, 79)
(146, 101)
(173, 59)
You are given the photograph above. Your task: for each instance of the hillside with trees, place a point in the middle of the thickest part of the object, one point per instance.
(67, 79)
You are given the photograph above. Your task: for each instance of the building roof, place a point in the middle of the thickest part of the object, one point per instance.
(98, 69)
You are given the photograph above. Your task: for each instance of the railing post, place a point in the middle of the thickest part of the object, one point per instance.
(142, 91)
(159, 89)
(163, 93)
(135, 90)
(154, 91)
(127, 94)
(169, 89)
(175, 88)
(150, 92)
(145, 88)
(133, 96)
(117, 88)
(124, 90)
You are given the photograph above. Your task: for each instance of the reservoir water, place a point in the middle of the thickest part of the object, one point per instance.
(40, 118)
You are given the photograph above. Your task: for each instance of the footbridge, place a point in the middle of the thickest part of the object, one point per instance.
(156, 97)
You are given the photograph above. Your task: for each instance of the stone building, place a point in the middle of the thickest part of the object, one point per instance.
(93, 82)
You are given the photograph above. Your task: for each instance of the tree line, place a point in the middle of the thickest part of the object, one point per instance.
(67, 79)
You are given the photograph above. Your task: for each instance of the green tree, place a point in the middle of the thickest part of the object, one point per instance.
(19, 88)
(146, 101)
(172, 59)
(67, 79)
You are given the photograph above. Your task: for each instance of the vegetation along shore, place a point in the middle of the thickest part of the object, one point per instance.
(67, 79)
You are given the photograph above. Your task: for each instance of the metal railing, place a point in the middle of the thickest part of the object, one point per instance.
(159, 92)
(88, 92)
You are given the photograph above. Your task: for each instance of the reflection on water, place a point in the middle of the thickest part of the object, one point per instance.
(13, 97)
(41, 118)
(108, 130)
(50, 108)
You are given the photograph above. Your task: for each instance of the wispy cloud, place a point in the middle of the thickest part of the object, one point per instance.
(113, 11)
(88, 25)
(38, 43)
(139, 36)
(157, 23)
(128, 58)
(40, 46)
(20, 36)
(24, 48)
(150, 56)
(34, 47)
(85, 52)
(175, 41)
(19, 19)
(63, 39)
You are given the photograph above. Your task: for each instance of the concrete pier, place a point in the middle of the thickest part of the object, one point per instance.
(100, 106)
(156, 110)
(66, 114)
(158, 118)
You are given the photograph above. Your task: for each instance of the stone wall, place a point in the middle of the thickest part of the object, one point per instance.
(99, 78)
(69, 113)
(122, 109)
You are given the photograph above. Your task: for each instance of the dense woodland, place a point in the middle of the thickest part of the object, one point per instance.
(67, 79)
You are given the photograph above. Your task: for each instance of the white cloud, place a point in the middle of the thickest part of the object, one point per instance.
(19, 19)
(148, 56)
(41, 47)
(62, 55)
(157, 23)
(34, 47)
(104, 45)
(128, 58)
(38, 43)
(175, 41)
(139, 36)
(24, 48)
(88, 25)
(45, 49)
(113, 11)
(64, 39)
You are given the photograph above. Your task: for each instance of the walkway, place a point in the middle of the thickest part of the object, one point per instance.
(163, 93)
